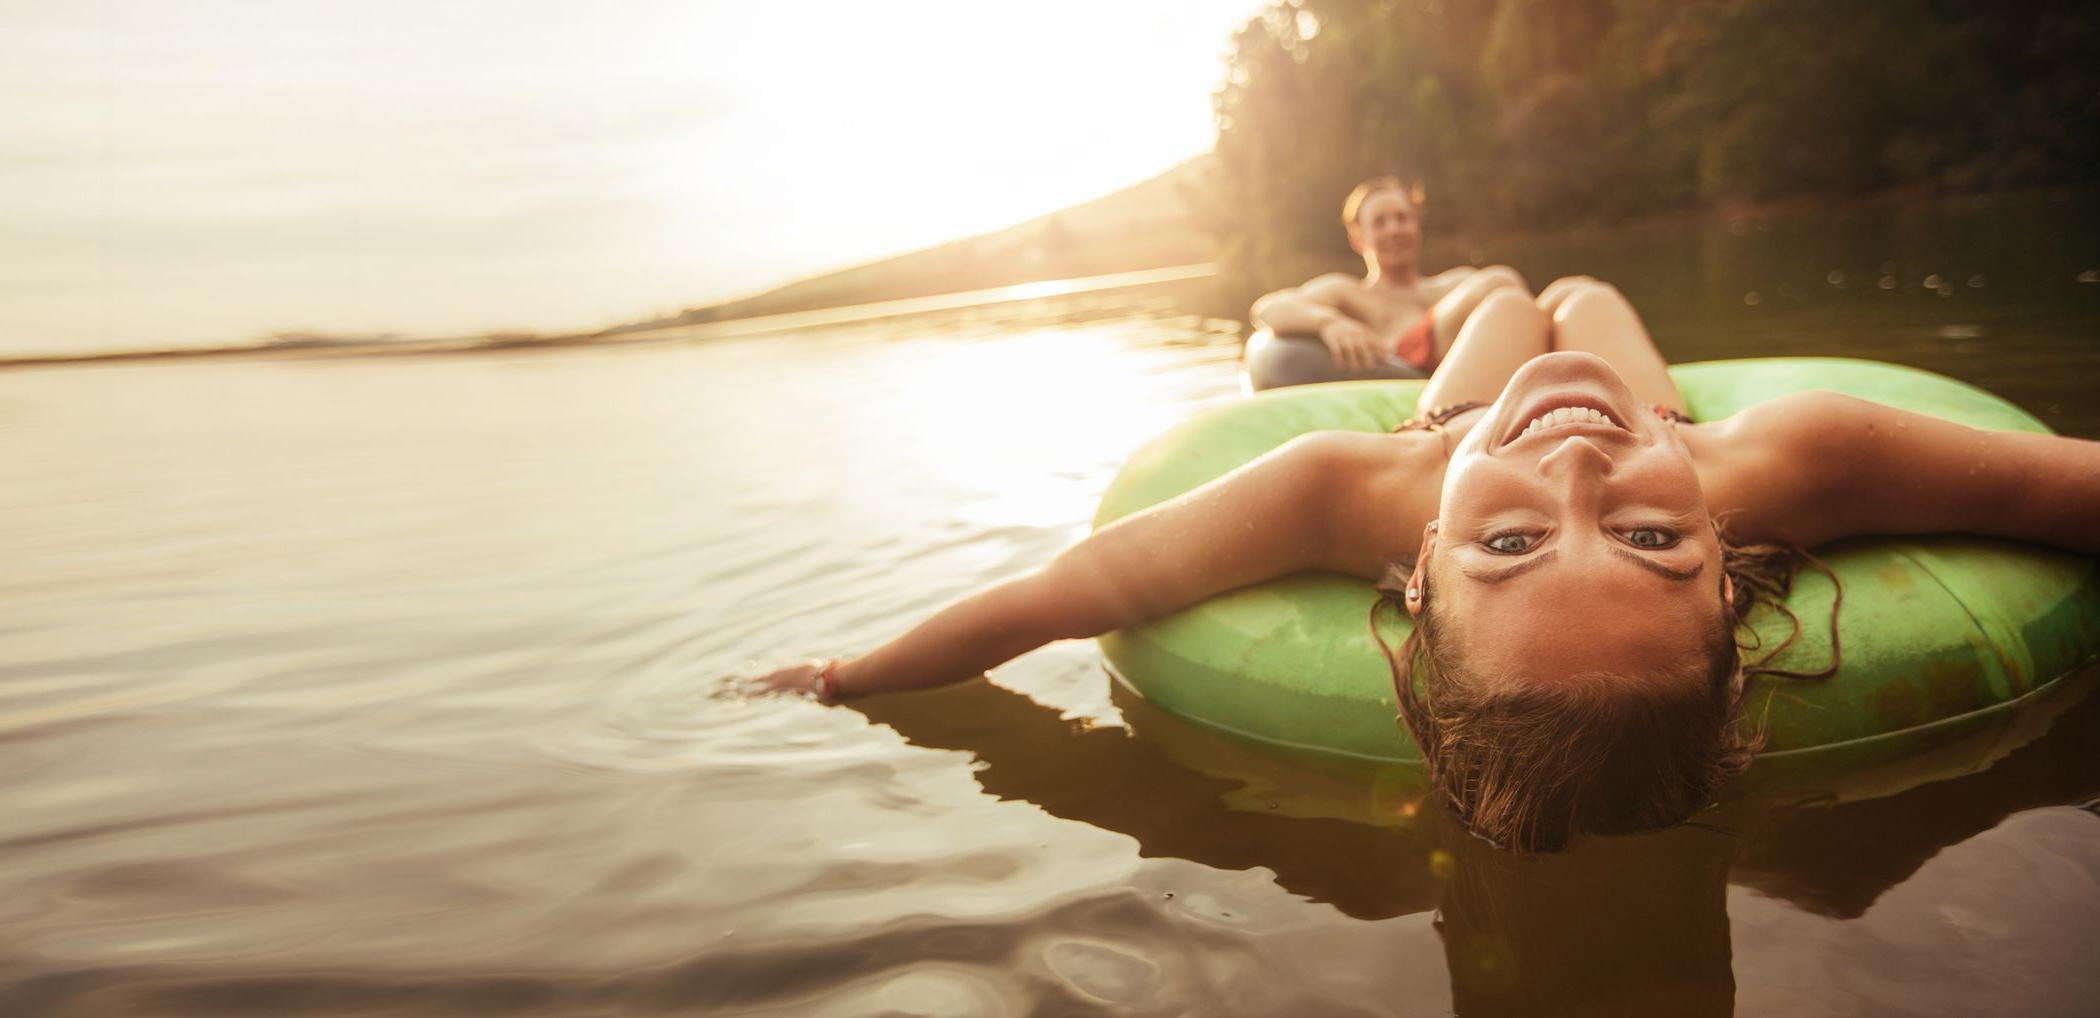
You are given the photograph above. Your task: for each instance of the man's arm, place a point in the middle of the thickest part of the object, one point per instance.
(1304, 310)
(1320, 309)
(1842, 467)
(1274, 516)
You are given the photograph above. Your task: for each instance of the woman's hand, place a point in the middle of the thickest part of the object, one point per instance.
(804, 678)
(1352, 343)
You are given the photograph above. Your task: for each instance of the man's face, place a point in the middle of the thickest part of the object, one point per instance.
(1388, 228)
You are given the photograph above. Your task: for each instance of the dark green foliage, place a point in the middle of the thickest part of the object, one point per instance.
(1540, 113)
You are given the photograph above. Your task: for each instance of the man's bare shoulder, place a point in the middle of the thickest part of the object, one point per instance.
(1333, 285)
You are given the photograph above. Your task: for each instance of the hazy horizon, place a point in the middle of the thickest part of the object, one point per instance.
(235, 169)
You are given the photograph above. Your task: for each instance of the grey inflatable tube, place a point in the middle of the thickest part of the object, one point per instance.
(1271, 361)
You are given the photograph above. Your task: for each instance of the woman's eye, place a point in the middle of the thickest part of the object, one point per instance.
(1508, 544)
(1650, 537)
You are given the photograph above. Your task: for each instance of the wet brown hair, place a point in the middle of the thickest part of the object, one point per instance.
(1363, 192)
(1532, 766)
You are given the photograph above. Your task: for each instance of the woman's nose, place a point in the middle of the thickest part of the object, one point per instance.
(1576, 455)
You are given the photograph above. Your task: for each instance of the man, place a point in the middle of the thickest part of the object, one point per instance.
(1393, 322)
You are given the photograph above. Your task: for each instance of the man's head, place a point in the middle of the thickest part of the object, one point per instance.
(1384, 218)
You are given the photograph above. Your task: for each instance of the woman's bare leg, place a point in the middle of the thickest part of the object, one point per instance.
(1594, 317)
(1505, 330)
(1557, 291)
(1450, 314)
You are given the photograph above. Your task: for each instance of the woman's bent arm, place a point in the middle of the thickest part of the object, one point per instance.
(1273, 516)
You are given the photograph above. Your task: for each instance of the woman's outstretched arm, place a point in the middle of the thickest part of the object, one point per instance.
(1285, 512)
(1842, 467)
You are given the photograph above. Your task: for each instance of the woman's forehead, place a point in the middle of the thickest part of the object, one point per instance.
(1605, 602)
(1542, 639)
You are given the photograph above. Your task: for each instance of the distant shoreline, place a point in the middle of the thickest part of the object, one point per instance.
(962, 301)
(690, 328)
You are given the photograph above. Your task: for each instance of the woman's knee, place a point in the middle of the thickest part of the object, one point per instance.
(1509, 302)
(1506, 316)
(1562, 293)
(1499, 277)
(1590, 298)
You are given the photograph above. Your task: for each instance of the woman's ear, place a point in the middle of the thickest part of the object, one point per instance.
(1416, 579)
(1728, 590)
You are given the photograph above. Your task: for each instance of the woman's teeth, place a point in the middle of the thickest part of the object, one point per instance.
(1565, 415)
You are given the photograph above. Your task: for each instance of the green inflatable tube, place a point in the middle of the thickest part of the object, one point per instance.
(1947, 640)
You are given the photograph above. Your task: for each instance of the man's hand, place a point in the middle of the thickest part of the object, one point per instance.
(1354, 346)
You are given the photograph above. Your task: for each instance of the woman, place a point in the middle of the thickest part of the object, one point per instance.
(1573, 552)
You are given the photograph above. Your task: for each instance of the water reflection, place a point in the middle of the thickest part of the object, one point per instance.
(380, 686)
(1617, 926)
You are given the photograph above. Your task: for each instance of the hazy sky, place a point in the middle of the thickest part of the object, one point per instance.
(185, 172)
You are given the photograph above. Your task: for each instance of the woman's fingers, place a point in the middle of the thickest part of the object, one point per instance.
(800, 678)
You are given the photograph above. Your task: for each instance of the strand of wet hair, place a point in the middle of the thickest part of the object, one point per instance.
(1775, 590)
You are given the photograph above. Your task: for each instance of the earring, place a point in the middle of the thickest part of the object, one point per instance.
(1414, 594)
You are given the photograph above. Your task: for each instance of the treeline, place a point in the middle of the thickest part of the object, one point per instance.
(1523, 114)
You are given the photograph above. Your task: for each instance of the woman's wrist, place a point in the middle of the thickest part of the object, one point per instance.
(826, 682)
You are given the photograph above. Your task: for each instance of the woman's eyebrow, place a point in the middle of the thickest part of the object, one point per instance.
(1650, 564)
(1506, 572)
(1645, 562)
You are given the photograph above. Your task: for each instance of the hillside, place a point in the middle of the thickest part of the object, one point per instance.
(1147, 225)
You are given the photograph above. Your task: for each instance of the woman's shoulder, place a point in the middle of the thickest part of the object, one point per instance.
(1789, 425)
(1381, 490)
(1360, 459)
(1763, 468)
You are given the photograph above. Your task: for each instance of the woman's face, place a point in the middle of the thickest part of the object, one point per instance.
(1573, 537)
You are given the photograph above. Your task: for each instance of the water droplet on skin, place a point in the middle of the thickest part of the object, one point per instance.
(1975, 282)
(1932, 282)
(1887, 283)
(1751, 298)
(2089, 276)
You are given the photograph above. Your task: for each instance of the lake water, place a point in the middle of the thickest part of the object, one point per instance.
(392, 685)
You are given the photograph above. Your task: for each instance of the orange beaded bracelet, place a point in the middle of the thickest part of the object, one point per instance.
(827, 684)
